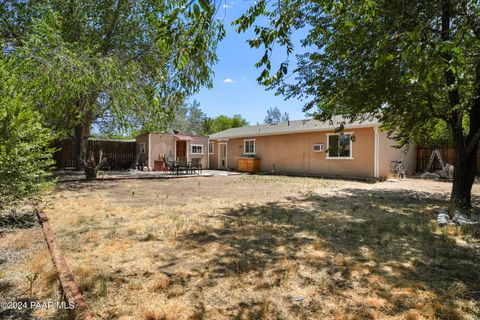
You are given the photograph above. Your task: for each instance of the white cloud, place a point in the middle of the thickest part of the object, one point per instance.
(228, 80)
(228, 5)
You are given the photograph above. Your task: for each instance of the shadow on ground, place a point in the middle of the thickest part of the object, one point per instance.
(383, 241)
(17, 220)
(85, 185)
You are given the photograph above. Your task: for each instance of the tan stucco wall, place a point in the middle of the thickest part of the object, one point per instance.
(166, 145)
(161, 145)
(202, 141)
(293, 153)
(388, 153)
(213, 160)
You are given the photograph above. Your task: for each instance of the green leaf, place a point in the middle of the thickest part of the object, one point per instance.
(205, 5)
(196, 10)
(173, 16)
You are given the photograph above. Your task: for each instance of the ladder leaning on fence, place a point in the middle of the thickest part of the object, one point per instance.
(135, 162)
(435, 153)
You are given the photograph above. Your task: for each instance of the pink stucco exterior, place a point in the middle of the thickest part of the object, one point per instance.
(157, 145)
(293, 153)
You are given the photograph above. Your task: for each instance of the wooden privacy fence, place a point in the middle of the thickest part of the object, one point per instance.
(119, 154)
(448, 156)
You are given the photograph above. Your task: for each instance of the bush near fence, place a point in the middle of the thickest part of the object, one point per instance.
(448, 156)
(120, 154)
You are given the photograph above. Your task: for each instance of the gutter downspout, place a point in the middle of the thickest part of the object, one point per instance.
(208, 153)
(175, 148)
(149, 152)
(376, 154)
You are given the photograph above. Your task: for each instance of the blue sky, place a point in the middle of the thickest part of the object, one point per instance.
(235, 89)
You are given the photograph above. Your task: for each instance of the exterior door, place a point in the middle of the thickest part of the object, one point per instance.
(222, 156)
(181, 148)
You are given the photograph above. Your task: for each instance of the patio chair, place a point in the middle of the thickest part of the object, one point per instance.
(182, 165)
(196, 165)
(172, 166)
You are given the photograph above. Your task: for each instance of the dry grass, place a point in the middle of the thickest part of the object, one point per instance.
(27, 274)
(20, 240)
(261, 247)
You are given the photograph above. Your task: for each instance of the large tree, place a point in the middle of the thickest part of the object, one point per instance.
(195, 118)
(123, 60)
(188, 118)
(406, 62)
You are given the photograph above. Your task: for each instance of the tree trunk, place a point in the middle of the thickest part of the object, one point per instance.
(82, 133)
(465, 164)
(465, 168)
(92, 166)
(76, 142)
(466, 150)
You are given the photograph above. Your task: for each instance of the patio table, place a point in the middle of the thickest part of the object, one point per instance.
(176, 166)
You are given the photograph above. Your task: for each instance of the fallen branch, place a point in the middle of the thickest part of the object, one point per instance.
(71, 291)
(92, 167)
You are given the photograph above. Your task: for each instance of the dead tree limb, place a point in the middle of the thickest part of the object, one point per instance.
(92, 167)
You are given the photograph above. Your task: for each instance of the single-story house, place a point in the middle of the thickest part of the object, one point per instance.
(154, 146)
(311, 147)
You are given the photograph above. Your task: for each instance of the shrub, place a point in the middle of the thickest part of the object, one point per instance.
(25, 152)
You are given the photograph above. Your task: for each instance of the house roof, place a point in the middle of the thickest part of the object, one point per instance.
(295, 126)
(181, 135)
(113, 140)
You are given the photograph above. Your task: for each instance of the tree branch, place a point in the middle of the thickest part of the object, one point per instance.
(142, 52)
(101, 161)
(453, 94)
(111, 31)
(473, 142)
(10, 28)
(474, 132)
(430, 103)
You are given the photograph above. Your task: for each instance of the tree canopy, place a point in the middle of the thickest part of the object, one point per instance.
(126, 62)
(409, 63)
(274, 115)
(188, 118)
(222, 122)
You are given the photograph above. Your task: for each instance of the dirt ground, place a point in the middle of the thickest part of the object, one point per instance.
(266, 247)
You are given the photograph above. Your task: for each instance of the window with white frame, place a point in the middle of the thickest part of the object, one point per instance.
(249, 146)
(196, 149)
(339, 145)
(210, 148)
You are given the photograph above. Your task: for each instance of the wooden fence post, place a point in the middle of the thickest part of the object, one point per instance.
(120, 154)
(448, 155)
